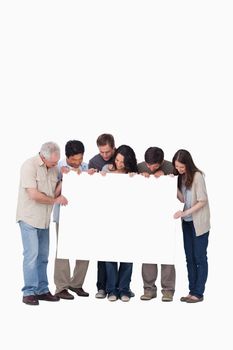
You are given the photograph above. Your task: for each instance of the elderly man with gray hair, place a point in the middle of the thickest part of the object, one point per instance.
(38, 192)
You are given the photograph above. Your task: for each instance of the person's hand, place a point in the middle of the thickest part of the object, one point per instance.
(145, 174)
(92, 171)
(103, 173)
(158, 173)
(132, 174)
(61, 200)
(65, 170)
(178, 214)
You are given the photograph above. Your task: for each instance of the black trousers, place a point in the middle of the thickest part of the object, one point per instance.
(101, 275)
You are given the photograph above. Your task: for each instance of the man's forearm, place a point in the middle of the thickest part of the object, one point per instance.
(40, 197)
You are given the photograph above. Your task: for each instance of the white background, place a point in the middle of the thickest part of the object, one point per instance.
(152, 73)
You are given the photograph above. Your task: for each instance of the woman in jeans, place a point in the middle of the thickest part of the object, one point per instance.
(118, 279)
(195, 223)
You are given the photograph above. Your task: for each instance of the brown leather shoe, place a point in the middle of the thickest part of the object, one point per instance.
(64, 294)
(194, 299)
(47, 297)
(79, 291)
(185, 298)
(30, 300)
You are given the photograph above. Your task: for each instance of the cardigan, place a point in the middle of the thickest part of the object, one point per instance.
(201, 217)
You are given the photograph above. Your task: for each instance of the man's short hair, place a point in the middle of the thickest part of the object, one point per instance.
(106, 139)
(154, 155)
(74, 147)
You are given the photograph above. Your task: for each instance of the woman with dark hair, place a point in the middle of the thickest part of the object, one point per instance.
(124, 161)
(118, 279)
(195, 222)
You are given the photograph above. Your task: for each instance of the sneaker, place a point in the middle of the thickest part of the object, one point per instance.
(148, 295)
(125, 298)
(167, 296)
(101, 294)
(112, 297)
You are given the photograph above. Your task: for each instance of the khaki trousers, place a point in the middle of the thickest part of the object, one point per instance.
(150, 273)
(62, 275)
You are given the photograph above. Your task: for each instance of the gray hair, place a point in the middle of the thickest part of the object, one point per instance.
(48, 148)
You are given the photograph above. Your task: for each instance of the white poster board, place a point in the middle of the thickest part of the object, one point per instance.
(118, 218)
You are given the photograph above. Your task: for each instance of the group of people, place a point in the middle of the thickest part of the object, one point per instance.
(40, 192)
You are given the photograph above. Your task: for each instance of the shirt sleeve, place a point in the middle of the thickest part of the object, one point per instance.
(28, 176)
(84, 167)
(105, 168)
(201, 192)
(90, 165)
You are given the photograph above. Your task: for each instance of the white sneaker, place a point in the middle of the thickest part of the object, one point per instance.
(125, 298)
(112, 297)
(101, 294)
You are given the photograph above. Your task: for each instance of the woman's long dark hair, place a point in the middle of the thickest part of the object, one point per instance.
(185, 158)
(130, 161)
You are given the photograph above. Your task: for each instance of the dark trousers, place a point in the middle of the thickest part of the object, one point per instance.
(196, 257)
(101, 275)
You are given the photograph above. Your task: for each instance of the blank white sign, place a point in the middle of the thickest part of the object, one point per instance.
(118, 218)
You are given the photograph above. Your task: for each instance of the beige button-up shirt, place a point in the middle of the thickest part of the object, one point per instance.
(35, 174)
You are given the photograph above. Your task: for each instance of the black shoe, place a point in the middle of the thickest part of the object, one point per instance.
(64, 294)
(47, 297)
(30, 300)
(79, 291)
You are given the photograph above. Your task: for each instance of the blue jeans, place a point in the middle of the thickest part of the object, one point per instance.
(118, 281)
(196, 257)
(35, 250)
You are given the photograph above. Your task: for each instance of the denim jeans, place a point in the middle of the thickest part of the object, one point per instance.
(196, 257)
(118, 280)
(35, 250)
(101, 275)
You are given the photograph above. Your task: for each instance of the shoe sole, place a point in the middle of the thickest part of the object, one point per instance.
(30, 304)
(149, 298)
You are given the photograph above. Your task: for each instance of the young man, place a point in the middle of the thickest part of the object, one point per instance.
(37, 194)
(155, 165)
(74, 151)
(106, 146)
